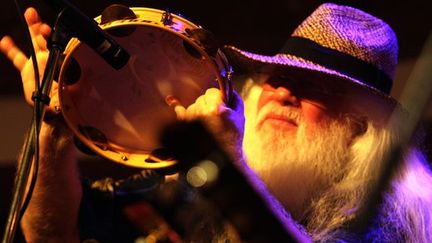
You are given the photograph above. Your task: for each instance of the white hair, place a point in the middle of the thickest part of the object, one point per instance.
(405, 214)
(326, 198)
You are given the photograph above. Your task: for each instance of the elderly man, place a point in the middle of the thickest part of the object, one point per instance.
(315, 133)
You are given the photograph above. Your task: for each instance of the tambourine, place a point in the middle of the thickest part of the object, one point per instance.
(119, 113)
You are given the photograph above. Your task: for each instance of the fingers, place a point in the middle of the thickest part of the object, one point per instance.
(45, 30)
(210, 103)
(31, 16)
(39, 43)
(38, 30)
(15, 55)
(178, 108)
(36, 25)
(206, 106)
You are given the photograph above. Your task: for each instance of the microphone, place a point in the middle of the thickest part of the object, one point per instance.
(88, 31)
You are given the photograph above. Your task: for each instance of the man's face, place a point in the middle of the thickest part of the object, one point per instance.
(283, 104)
(295, 139)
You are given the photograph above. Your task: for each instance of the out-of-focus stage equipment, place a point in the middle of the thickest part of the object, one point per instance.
(230, 188)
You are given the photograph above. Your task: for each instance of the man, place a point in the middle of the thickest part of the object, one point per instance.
(315, 133)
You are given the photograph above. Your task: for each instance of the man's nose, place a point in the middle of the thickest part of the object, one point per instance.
(285, 96)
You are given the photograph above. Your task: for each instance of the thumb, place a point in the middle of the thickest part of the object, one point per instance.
(236, 102)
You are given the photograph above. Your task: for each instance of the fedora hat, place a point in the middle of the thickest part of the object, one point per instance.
(339, 44)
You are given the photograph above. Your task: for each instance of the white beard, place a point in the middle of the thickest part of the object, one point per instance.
(295, 168)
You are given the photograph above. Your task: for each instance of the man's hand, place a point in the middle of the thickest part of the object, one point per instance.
(48, 218)
(224, 122)
(39, 33)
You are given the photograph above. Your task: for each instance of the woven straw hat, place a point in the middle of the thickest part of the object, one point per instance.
(337, 44)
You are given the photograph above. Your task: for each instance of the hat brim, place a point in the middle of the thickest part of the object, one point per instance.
(250, 62)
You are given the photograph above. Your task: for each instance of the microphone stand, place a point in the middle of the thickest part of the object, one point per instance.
(56, 44)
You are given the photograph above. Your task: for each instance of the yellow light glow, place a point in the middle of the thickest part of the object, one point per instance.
(205, 172)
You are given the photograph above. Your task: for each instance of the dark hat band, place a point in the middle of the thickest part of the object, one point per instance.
(338, 61)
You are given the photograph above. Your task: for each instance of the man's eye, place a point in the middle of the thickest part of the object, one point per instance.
(316, 103)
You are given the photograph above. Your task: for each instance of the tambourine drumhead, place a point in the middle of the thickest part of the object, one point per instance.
(119, 113)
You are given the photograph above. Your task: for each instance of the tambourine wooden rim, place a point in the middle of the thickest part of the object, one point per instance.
(168, 22)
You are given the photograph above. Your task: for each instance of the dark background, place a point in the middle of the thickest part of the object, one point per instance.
(257, 26)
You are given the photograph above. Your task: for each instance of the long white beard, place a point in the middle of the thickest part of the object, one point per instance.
(295, 169)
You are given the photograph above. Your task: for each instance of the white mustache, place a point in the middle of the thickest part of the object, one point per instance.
(275, 110)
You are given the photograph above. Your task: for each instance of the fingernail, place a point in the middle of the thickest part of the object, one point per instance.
(171, 100)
